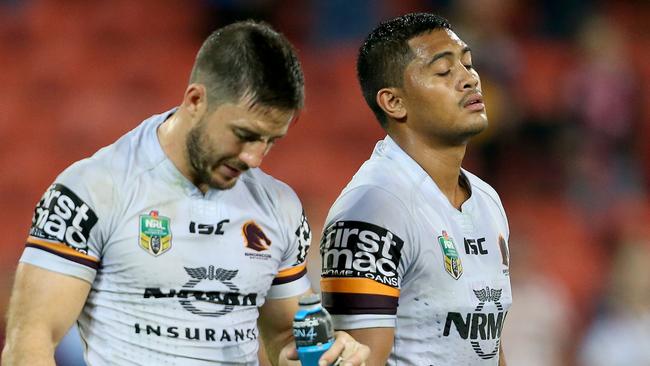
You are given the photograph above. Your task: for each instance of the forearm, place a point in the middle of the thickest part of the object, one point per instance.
(28, 346)
(276, 349)
(502, 357)
(38, 316)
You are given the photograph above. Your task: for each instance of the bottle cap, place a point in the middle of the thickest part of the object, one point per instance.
(311, 299)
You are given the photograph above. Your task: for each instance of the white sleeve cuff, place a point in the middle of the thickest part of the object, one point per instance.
(290, 289)
(358, 321)
(54, 263)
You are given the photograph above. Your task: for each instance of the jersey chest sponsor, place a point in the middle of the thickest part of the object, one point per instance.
(226, 335)
(481, 328)
(210, 291)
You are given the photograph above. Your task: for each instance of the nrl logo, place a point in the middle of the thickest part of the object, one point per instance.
(453, 265)
(155, 233)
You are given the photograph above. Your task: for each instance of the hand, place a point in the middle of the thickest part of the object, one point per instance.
(345, 351)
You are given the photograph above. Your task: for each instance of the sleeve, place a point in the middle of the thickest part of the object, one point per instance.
(66, 231)
(291, 279)
(363, 251)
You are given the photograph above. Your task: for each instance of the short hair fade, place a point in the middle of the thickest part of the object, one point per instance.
(385, 54)
(250, 58)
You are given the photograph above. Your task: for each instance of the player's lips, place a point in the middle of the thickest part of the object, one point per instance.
(229, 171)
(473, 102)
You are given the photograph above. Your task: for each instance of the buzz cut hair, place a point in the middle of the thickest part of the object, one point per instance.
(385, 53)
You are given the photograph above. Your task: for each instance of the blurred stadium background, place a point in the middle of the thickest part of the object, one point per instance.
(567, 149)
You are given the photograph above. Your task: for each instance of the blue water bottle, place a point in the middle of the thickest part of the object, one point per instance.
(312, 330)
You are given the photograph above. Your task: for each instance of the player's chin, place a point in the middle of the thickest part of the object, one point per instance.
(469, 130)
(221, 182)
(477, 123)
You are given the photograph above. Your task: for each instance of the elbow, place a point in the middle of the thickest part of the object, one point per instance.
(7, 354)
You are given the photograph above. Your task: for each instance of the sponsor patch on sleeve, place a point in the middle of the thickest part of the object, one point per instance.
(356, 249)
(61, 216)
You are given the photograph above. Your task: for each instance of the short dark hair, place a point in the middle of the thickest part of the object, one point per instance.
(385, 54)
(250, 58)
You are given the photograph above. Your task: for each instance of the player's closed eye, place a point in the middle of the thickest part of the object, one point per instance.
(246, 136)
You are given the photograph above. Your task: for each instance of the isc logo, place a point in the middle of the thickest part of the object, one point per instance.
(475, 246)
(62, 216)
(361, 249)
(208, 229)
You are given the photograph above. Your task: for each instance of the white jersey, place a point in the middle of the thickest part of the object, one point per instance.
(397, 254)
(177, 276)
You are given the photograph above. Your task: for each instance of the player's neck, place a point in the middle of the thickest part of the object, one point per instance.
(441, 163)
(171, 135)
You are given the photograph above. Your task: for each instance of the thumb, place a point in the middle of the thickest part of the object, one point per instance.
(290, 351)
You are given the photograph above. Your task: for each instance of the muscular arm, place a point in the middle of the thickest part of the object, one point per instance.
(275, 323)
(43, 306)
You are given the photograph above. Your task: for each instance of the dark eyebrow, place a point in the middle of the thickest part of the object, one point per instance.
(440, 55)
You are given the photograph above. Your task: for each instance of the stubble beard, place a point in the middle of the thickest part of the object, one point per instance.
(200, 163)
(464, 136)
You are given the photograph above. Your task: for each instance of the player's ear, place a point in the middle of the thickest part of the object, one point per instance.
(195, 100)
(390, 101)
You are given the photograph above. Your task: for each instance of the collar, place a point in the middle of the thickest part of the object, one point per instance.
(388, 148)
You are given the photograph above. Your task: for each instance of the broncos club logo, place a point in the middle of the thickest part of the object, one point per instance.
(255, 237)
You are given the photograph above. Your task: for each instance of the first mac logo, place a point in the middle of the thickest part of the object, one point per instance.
(63, 217)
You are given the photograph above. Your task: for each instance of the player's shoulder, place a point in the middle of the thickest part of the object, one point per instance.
(371, 203)
(378, 179)
(268, 190)
(383, 177)
(92, 171)
(125, 159)
(113, 166)
(372, 195)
